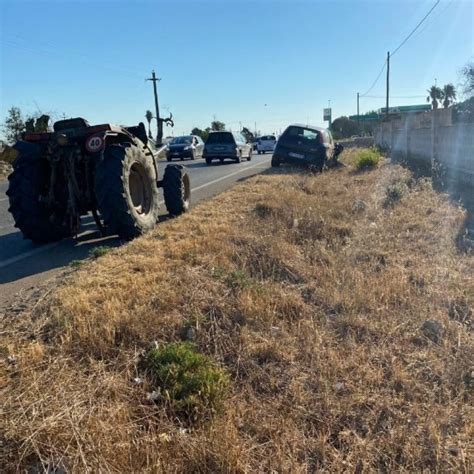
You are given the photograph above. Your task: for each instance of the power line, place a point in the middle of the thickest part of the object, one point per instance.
(376, 80)
(389, 55)
(416, 27)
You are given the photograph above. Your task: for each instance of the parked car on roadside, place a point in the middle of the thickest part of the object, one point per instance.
(226, 145)
(266, 144)
(304, 144)
(186, 146)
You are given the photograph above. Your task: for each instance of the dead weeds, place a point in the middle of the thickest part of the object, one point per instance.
(311, 294)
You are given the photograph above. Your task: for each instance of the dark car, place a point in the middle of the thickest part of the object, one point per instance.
(226, 145)
(186, 146)
(305, 144)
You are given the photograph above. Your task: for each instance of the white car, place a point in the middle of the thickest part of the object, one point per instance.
(266, 143)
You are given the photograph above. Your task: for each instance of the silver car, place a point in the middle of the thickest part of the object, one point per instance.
(226, 145)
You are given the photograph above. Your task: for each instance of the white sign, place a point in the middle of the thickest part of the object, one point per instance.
(327, 114)
(94, 144)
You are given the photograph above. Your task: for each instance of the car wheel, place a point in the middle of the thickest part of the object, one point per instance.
(222, 161)
(168, 158)
(239, 158)
(208, 161)
(250, 156)
(275, 162)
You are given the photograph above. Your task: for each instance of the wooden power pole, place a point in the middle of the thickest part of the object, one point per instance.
(388, 85)
(358, 121)
(159, 122)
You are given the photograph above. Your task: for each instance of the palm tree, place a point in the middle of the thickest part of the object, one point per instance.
(449, 95)
(435, 94)
(149, 117)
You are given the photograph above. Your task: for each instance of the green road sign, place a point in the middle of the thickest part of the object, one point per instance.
(405, 109)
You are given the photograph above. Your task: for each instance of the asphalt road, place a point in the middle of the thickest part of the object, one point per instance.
(24, 264)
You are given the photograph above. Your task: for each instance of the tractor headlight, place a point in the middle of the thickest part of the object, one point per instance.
(62, 139)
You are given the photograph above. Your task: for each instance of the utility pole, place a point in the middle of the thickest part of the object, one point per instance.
(358, 121)
(388, 84)
(159, 134)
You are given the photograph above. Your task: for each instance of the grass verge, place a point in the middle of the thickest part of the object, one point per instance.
(344, 323)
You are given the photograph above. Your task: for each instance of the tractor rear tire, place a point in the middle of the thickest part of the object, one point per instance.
(176, 189)
(126, 191)
(28, 184)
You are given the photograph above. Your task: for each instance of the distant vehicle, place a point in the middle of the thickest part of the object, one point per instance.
(266, 143)
(226, 145)
(186, 146)
(306, 144)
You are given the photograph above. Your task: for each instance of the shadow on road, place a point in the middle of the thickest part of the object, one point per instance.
(47, 257)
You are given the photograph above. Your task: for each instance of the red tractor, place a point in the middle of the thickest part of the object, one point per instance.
(108, 170)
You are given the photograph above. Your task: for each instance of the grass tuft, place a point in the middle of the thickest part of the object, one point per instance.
(99, 251)
(394, 193)
(190, 382)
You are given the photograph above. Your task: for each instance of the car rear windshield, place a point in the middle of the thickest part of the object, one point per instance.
(181, 140)
(268, 137)
(300, 134)
(221, 137)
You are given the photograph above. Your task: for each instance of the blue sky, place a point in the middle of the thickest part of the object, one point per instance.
(265, 61)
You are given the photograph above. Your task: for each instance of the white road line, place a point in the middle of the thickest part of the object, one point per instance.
(210, 183)
(43, 248)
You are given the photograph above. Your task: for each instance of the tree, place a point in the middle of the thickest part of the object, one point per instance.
(149, 117)
(217, 126)
(449, 95)
(435, 95)
(14, 125)
(343, 127)
(249, 136)
(468, 80)
(200, 133)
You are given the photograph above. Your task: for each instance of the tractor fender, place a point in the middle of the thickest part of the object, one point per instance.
(97, 142)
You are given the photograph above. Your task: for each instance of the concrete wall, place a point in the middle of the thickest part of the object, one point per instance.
(432, 138)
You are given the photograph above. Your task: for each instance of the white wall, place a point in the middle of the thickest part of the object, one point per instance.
(431, 137)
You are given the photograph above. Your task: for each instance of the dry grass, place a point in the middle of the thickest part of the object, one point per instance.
(309, 290)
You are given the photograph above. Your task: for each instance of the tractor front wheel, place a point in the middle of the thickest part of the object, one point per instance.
(126, 190)
(176, 189)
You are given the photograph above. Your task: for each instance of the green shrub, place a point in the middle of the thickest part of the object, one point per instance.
(100, 251)
(76, 263)
(367, 159)
(192, 384)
